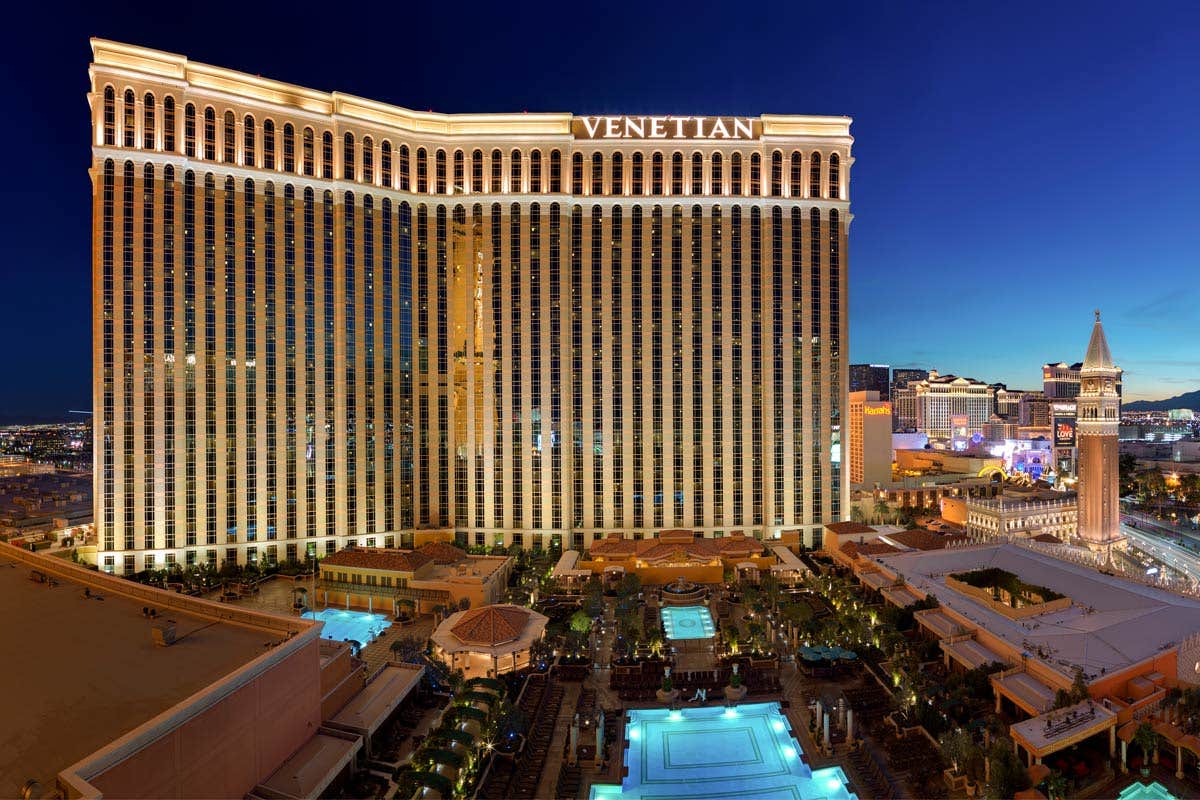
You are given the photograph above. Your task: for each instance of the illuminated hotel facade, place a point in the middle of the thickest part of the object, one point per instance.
(321, 320)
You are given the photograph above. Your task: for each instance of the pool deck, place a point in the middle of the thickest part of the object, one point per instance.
(713, 752)
(687, 623)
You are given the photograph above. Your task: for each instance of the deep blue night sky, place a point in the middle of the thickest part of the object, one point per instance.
(1016, 165)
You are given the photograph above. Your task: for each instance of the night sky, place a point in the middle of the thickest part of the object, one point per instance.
(1015, 166)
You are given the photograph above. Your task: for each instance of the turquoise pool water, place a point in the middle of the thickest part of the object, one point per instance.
(712, 753)
(341, 625)
(687, 622)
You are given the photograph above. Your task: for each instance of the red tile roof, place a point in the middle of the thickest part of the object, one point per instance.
(614, 546)
(442, 553)
(845, 528)
(375, 558)
(1048, 538)
(920, 539)
(491, 625)
(853, 549)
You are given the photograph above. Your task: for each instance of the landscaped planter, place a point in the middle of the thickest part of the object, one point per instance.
(667, 697)
(735, 693)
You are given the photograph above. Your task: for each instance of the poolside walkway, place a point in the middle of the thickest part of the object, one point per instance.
(558, 742)
(379, 652)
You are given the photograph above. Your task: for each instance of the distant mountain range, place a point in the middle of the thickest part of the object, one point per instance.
(1186, 400)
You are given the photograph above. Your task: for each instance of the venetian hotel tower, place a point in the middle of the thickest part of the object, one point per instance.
(321, 320)
(1099, 415)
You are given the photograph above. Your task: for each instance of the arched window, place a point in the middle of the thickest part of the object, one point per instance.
(814, 175)
(327, 155)
(597, 174)
(248, 156)
(718, 180)
(460, 176)
(385, 163)
(777, 174)
(422, 171)
(306, 152)
(797, 183)
(755, 174)
(129, 116)
(368, 159)
(835, 182)
(229, 138)
(268, 144)
(618, 174)
(638, 185)
(577, 173)
(477, 171)
(110, 116)
(555, 171)
(735, 174)
(656, 174)
(148, 121)
(402, 168)
(440, 167)
(289, 147)
(169, 124)
(189, 130)
(677, 174)
(697, 174)
(210, 134)
(514, 172)
(348, 157)
(497, 172)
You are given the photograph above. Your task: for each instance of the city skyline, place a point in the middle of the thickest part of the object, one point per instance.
(949, 137)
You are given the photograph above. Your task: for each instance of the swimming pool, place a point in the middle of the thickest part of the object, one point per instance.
(713, 752)
(341, 625)
(687, 622)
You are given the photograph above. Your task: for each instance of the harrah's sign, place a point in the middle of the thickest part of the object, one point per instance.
(620, 127)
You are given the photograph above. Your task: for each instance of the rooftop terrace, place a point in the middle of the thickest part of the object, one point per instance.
(82, 671)
(1111, 625)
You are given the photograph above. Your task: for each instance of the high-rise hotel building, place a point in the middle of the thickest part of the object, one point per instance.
(323, 320)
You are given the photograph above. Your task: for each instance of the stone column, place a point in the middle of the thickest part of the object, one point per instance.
(1112, 741)
(1124, 756)
(850, 725)
(828, 746)
(1179, 761)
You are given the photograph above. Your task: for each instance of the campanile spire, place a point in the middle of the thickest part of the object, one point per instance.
(1098, 410)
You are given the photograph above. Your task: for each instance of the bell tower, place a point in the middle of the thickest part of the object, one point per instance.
(1098, 416)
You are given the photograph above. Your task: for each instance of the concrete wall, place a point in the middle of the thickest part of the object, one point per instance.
(225, 748)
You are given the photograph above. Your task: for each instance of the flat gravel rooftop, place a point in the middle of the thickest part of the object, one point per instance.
(80, 672)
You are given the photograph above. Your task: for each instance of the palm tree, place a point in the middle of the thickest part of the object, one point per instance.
(1056, 786)
(1147, 739)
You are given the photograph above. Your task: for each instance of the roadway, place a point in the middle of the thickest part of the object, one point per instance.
(1169, 553)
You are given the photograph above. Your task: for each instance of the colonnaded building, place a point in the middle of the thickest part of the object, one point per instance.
(321, 320)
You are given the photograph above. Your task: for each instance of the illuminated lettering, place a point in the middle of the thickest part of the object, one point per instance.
(873, 411)
(665, 127)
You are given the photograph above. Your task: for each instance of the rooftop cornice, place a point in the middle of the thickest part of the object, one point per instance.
(131, 60)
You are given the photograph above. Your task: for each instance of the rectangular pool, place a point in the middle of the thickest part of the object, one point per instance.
(341, 625)
(687, 622)
(713, 752)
